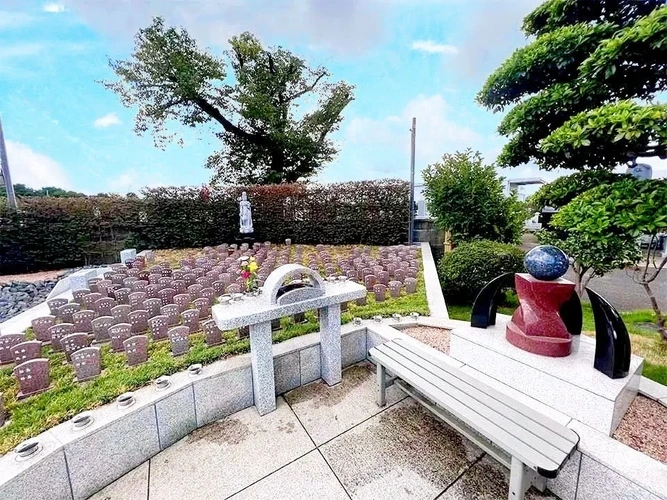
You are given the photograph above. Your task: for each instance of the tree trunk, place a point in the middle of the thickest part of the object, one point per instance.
(659, 318)
(278, 164)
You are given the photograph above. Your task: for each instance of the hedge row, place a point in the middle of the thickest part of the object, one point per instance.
(65, 232)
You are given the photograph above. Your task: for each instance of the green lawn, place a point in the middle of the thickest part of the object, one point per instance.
(646, 342)
(68, 397)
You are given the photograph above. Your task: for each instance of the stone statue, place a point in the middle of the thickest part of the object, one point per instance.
(245, 214)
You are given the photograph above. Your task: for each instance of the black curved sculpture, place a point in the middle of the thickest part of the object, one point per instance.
(612, 342)
(486, 303)
(571, 314)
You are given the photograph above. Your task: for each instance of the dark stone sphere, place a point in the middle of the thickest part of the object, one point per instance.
(546, 262)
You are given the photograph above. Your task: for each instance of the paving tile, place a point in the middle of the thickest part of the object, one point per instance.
(403, 452)
(132, 486)
(597, 482)
(307, 478)
(487, 480)
(326, 411)
(226, 456)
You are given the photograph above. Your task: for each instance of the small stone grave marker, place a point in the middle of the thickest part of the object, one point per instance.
(101, 327)
(41, 327)
(55, 304)
(399, 275)
(202, 303)
(78, 295)
(194, 291)
(159, 326)
(167, 296)
(137, 300)
(213, 333)
(136, 349)
(82, 321)
(395, 288)
(139, 320)
(152, 306)
(380, 292)
(104, 305)
(182, 300)
(122, 296)
(190, 318)
(90, 299)
(179, 286)
(172, 313)
(179, 337)
(370, 281)
(66, 312)
(87, 363)
(25, 351)
(73, 342)
(57, 332)
(33, 377)
(121, 313)
(119, 333)
(410, 285)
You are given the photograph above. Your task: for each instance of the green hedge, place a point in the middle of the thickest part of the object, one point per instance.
(470, 266)
(65, 232)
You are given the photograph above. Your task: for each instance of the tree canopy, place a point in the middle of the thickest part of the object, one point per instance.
(582, 92)
(264, 137)
(467, 199)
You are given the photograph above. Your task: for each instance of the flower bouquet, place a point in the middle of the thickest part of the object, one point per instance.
(249, 273)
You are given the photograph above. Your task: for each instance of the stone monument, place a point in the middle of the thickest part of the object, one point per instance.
(536, 326)
(246, 231)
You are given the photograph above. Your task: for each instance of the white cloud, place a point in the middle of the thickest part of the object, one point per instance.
(107, 121)
(34, 169)
(132, 181)
(54, 7)
(432, 47)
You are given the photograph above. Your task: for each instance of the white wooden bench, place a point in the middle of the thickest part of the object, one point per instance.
(531, 445)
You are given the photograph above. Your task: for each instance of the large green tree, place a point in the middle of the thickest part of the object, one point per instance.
(264, 137)
(582, 92)
(55, 192)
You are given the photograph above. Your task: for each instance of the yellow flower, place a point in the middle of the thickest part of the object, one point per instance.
(253, 266)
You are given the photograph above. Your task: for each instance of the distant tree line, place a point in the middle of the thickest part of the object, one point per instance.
(55, 192)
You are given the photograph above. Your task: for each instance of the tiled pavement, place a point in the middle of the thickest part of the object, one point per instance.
(330, 443)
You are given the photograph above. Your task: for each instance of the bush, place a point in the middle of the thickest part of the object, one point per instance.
(67, 232)
(467, 199)
(465, 271)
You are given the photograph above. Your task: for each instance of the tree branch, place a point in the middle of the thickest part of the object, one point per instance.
(214, 113)
(310, 88)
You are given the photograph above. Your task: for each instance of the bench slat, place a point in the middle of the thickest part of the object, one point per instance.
(568, 434)
(513, 420)
(428, 383)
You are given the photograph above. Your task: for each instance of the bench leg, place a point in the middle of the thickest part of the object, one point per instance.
(518, 480)
(382, 385)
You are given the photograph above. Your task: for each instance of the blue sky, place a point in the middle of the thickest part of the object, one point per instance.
(422, 58)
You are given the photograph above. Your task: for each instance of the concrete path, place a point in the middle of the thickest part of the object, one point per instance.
(330, 443)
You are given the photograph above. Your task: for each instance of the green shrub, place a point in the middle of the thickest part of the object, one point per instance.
(465, 271)
(467, 199)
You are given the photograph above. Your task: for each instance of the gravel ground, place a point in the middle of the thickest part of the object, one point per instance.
(438, 338)
(32, 277)
(643, 428)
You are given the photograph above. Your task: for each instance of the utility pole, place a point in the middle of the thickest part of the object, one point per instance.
(4, 172)
(411, 225)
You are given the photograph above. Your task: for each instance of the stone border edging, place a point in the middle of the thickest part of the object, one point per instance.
(434, 297)
(76, 464)
(653, 390)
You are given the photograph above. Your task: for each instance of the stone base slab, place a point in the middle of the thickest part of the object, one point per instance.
(568, 384)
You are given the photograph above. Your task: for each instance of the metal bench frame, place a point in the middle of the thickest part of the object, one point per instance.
(522, 475)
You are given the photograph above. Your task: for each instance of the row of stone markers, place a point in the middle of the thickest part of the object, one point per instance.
(140, 301)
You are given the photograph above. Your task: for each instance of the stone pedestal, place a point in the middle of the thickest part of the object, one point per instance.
(536, 325)
(570, 385)
(248, 238)
(261, 354)
(330, 342)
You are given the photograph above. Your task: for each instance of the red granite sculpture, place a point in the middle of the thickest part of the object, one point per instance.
(536, 325)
